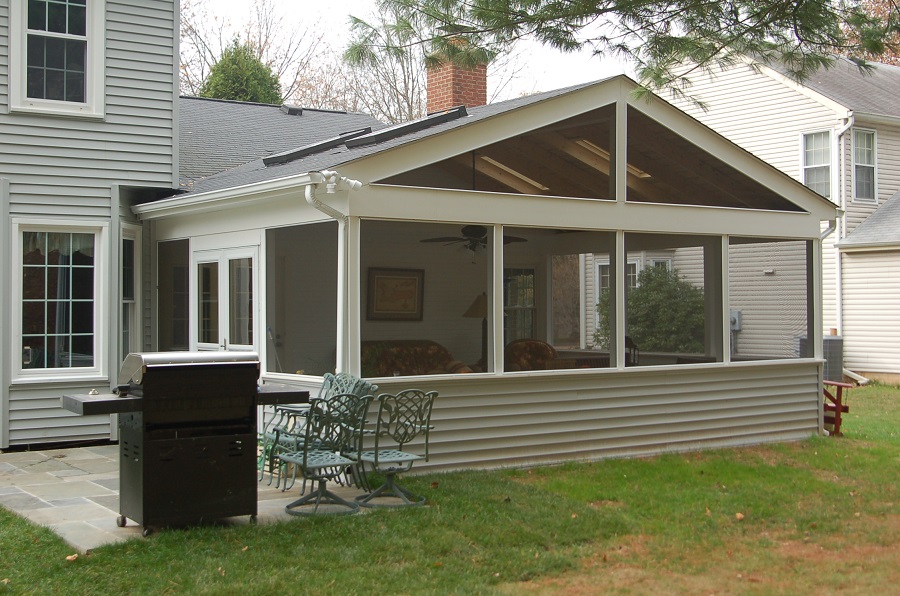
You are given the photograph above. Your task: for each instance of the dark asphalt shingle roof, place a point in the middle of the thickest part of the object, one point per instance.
(256, 171)
(880, 228)
(215, 135)
(874, 92)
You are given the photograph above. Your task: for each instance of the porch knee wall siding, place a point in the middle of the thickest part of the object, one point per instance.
(64, 169)
(516, 421)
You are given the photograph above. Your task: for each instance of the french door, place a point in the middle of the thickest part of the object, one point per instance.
(224, 299)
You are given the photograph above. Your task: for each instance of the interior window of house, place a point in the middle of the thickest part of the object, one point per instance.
(817, 162)
(864, 165)
(60, 63)
(518, 304)
(59, 286)
(173, 331)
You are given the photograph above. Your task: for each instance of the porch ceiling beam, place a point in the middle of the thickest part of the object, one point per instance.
(564, 178)
(647, 190)
(502, 176)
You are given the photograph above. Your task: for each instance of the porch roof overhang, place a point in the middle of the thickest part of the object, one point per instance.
(228, 198)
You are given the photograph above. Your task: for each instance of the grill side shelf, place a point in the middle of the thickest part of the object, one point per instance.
(87, 405)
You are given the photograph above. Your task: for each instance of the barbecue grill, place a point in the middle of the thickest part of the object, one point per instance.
(187, 434)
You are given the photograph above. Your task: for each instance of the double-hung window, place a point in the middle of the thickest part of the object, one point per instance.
(864, 165)
(817, 162)
(56, 58)
(58, 324)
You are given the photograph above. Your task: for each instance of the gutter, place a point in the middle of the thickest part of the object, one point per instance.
(331, 180)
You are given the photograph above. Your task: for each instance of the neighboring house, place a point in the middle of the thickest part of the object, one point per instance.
(839, 133)
(380, 253)
(438, 242)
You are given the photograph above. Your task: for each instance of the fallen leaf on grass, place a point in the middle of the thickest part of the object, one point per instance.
(739, 516)
(72, 557)
(574, 515)
(245, 549)
(434, 485)
(221, 571)
(4, 581)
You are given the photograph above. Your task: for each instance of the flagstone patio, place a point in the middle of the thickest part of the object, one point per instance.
(75, 492)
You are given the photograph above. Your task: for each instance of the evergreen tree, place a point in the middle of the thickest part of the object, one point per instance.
(658, 36)
(239, 75)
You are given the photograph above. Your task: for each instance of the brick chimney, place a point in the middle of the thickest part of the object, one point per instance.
(450, 85)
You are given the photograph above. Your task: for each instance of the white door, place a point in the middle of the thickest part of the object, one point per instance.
(224, 299)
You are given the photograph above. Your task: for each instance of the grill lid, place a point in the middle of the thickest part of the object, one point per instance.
(136, 363)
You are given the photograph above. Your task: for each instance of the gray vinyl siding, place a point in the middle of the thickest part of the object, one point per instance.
(4, 56)
(539, 419)
(65, 168)
(872, 311)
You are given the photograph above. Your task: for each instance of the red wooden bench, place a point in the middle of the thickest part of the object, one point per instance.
(834, 406)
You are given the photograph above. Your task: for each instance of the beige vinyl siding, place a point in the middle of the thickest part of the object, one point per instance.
(758, 113)
(772, 305)
(64, 168)
(872, 311)
(535, 418)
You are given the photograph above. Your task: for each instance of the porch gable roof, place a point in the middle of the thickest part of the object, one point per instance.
(449, 137)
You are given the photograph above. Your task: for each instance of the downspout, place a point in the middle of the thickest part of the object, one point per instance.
(332, 180)
(842, 232)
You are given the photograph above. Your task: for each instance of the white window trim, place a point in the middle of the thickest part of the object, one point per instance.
(637, 261)
(874, 199)
(101, 287)
(655, 261)
(95, 75)
(832, 156)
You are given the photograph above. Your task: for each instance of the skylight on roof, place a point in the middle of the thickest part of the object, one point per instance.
(404, 128)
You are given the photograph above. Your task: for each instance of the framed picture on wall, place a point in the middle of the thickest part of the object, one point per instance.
(395, 294)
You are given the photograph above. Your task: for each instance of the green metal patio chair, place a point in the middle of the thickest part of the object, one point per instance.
(402, 418)
(285, 432)
(333, 424)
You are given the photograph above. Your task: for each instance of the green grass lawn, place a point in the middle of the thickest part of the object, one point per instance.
(821, 515)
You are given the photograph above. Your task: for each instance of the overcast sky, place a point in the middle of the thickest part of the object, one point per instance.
(539, 68)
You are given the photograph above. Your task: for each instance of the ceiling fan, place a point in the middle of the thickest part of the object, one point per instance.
(473, 237)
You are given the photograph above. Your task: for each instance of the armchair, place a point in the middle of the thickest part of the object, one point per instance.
(333, 425)
(401, 419)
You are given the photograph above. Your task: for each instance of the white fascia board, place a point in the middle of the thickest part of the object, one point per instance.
(227, 198)
(381, 201)
(890, 245)
(840, 110)
(863, 118)
(732, 154)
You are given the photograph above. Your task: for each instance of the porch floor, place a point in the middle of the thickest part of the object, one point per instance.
(75, 493)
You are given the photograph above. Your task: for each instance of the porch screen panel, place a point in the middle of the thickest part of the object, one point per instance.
(425, 304)
(301, 299)
(562, 293)
(174, 306)
(769, 299)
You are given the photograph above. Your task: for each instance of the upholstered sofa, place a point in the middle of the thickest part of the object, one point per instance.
(534, 354)
(405, 357)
